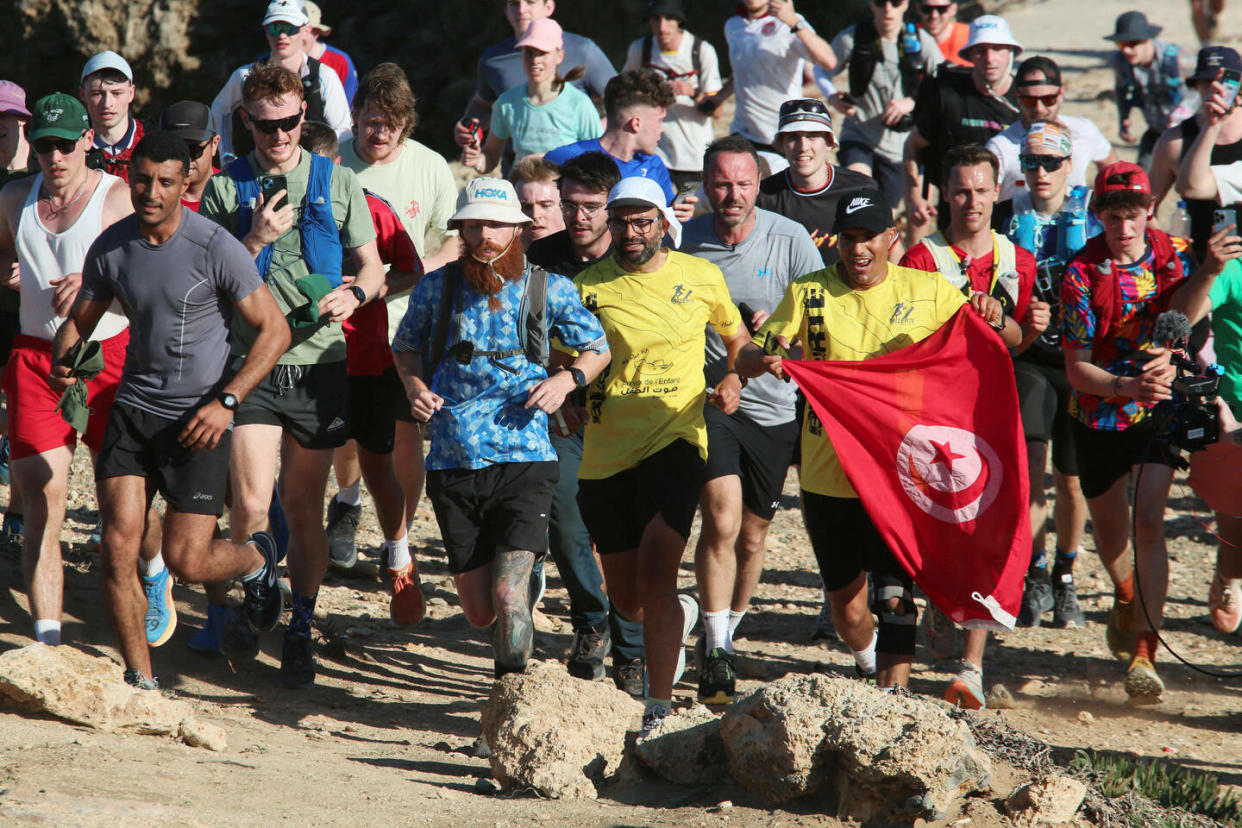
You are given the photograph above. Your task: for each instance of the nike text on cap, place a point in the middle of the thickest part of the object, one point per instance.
(870, 211)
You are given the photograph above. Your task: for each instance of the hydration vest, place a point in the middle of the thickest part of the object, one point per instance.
(1106, 297)
(1025, 227)
(321, 239)
(1004, 287)
(1173, 90)
(869, 52)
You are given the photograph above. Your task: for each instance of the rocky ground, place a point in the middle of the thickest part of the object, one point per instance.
(388, 734)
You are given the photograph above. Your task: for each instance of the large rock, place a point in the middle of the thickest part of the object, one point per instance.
(556, 734)
(686, 748)
(1052, 800)
(889, 757)
(88, 690)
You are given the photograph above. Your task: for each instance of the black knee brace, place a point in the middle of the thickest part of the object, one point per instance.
(896, 633)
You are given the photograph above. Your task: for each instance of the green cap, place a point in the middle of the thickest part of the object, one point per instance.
(58, 116)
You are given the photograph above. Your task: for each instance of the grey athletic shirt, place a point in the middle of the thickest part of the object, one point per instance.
(757, 271)
(179, 298)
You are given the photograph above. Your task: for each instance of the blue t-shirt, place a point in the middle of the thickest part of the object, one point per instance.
(483, 421)
(536, 129)
(642, 164)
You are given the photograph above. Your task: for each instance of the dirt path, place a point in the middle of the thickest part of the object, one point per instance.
(387, 735)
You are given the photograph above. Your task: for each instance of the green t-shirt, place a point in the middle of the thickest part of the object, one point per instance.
(1227, 330)
(324, 342)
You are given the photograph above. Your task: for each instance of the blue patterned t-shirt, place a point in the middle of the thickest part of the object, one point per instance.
(484, 420)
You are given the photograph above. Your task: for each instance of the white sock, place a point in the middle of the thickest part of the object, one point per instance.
(649, 703)
(349, 495)
(153, 567)
(399, 553)
(735, 618)
(716, 628)
(47, 632)
(865, 658)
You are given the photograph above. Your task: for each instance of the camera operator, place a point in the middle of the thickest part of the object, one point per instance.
(1111, 294)
(1216, 473)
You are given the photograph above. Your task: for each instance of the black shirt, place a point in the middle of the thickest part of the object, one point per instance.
(950, 111)
(1202, 210)
(555, 254)
(815, 209)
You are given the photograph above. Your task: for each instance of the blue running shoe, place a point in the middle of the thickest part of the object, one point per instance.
(207, 640)
(263, 603)
(4, 460)
(278, 525)
(13, 529)
(96, 539)
(161, 610)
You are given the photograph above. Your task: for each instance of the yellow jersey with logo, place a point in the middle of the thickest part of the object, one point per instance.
(837, 322)
(653, 391)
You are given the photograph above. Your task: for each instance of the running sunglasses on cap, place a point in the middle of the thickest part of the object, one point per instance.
(281, 27)
(1050, 163)
(269, 126)
(809, 105)
(64, 146)
(1031, 100)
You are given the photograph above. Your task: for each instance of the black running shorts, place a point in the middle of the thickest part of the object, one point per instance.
(759, 455)
(310, 402)
(1043, 396)
(1104, 457)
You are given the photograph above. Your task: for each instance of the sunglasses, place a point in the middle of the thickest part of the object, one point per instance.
(280, 27)
(1129, 44)
(64, 146)
(931, 10)
(196, 150)
(808, 105)
(881, 3)
(1031, 100)
(640, 225)
(1049, 163)
(271, 125)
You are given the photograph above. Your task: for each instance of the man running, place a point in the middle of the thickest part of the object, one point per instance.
(191, 122)
(330, 56)
(107, 89)
(179, 279)
(536, 183)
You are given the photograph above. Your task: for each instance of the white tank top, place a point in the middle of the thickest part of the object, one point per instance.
(44, 256)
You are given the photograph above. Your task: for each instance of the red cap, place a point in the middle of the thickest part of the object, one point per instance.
(1122, 175)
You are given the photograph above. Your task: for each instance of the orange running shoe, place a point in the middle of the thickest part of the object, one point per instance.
(1225, 604)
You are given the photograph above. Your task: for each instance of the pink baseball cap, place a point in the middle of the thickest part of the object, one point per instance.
(13, 99)
(543, 34)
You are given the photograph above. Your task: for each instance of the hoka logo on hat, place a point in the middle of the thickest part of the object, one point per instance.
(491, 193)
(857, 204)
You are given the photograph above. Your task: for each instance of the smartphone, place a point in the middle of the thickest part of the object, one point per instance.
(1223, 217)
(1231, 79)
(686, 190)
(271, 185)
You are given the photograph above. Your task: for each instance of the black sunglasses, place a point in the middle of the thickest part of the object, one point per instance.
(1050, 163)
(893, 3)
(269, 126)
(196, 150)
(808, 105)
(64, 146)
(929, 10)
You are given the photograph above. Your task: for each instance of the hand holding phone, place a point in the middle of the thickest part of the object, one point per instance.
(271, 185)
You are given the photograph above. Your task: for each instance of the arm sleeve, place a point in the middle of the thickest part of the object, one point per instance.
(96, 286)
(1100, 146)
(806, 257)
(659, 172)
(927, 109)
(444, 201)
(709, 69)
(1077, 315)
(725, 320)
(932, 56)
(356, 226)
(214, 204)
(843, 47)
(589, 125)
(1228, 183)
(919, 258)
(633, 56)
(796, 47)
(1224, 289)
(335, 104)
(785, 321)
(351, 79)
(599, 70)
(572, 324)
(502, 117)
(222, 106)
(233, 268)
(414, 329)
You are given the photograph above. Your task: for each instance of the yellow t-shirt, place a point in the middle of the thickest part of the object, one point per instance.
(652, 393)
(837, 322)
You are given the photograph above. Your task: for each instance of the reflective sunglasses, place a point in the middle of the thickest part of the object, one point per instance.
(1031, 100)
(810, 106)
(64, 146)
(196, 150)
(640, 225)
(281, 27)
(1049, 163)
(269, 126)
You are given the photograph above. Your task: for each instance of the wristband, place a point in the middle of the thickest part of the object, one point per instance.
(1117, 386)
(795, 28)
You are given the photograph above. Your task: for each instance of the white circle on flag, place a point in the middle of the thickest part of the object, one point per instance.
(950, 473)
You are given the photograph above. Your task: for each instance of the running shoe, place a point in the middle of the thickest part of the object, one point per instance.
(1225, 604)
(238, 640)
(823, 629)
(4, 460)
(263, 603)
(1143, 686)
(13, 529)
(631, 677)
(1120, 633)
(161, 609)
(865, 677)
(538, 583)
(652, 717)
(1066, 614)
(690, 616)
(1036, 598)
(207, 639)
(940, 634)
(96, 538)
(966, 688)
(408, 605)
(586, 657)
(342, 532)
(136, 679)
(297, 662)
(717, 678)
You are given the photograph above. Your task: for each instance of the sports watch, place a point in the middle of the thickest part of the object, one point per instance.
(359, 294)
(227, 400)
(580, 380)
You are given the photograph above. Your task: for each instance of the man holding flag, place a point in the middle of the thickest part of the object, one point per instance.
(896, 481)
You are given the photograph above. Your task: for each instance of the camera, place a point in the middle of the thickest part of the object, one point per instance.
(1189, 421)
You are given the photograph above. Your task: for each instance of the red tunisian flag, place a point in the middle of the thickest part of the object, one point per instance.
(930, 436)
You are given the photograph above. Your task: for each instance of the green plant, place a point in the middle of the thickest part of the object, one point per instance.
(1172, 786)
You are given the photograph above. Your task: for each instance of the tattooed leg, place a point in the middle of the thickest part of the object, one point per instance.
(513, 637)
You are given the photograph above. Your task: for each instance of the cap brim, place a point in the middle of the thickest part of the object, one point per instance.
(962, 52)
(67, 133)
(808, 126)
(491, 212)
(1124, 37)
(14, 109)
(191, 134)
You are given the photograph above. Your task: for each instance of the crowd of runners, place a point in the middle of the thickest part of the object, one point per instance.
(584, 347)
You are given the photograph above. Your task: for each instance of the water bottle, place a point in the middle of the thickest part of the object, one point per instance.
(1179, 224)
(910, 43)
(1022, 229)
(1072, 235)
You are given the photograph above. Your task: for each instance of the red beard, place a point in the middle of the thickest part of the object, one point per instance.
(479, 275)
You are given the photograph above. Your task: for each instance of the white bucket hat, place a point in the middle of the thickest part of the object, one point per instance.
(991, 30)
(489, 199)
(638, 191)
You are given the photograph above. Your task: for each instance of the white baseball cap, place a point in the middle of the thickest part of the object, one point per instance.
(289, 11)
(990, 30)
(107, 60)
(489, 199)
(639, 191)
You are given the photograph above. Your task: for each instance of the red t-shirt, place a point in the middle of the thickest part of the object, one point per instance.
(193, 205)
(979, 272)
(368, 351)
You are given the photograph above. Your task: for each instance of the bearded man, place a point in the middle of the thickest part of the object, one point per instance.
(467, 353)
